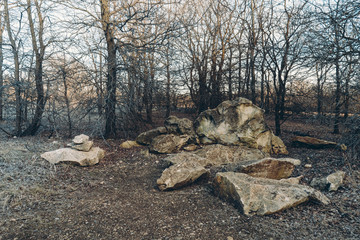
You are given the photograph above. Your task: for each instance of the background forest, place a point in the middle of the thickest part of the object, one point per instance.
(110, 67)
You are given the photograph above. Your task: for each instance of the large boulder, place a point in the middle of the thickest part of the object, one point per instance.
(237, 122)
(217, 154)
(330, 183)
(168, 143)
(273, 168)
(261, 196)
(181, 174)
(146, 138)
(82, 158)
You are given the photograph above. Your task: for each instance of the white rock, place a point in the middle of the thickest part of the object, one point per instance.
(71, 155)
(82, 138)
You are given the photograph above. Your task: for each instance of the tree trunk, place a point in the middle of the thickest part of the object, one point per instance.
(338, 82)
(319, 76)
(202, 106)
(240, 90)
(99, 89)
(149, 106)
(215, 85)
(252, 75)
(40, 100)
(347, 93)
(39, 58)
(16, 73)
(230, 83)
(110, 99)
(67, 102)
(2, 27)
(168, 81)
(277, 116)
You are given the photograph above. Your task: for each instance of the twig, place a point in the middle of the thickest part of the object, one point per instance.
(9, 134)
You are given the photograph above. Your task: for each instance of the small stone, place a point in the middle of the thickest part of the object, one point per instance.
(85, 147)
(308, 166)
(330, 183)
(191, 147)
(129, 144)
(82, 138)
(230, 238)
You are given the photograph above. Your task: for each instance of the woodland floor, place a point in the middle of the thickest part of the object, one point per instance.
(119, 199)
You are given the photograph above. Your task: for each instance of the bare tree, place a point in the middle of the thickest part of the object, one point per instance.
(285, 52)
(321, 77)
(110, 99)
(37, 40)
(15, 52)
(336, 45)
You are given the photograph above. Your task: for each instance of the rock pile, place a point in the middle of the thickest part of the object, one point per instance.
(232, 123)
(80, 152)
(234, 141)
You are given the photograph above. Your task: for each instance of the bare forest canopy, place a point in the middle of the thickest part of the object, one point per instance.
(116, 65)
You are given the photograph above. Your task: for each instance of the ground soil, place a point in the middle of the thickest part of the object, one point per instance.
(119, 199)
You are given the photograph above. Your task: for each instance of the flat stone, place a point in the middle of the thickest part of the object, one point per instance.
(71, 155)
(181, 174)
(217, 155)
(310, 142)
(274, 168)
(86, 146)
(262, 196)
